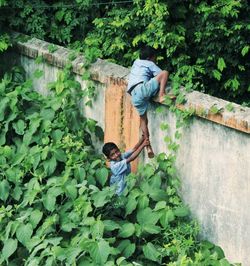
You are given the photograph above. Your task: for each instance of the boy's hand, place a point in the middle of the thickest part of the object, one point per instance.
(146, 142)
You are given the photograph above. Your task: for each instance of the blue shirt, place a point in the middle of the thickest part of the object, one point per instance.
(142, 70)
(119, 170)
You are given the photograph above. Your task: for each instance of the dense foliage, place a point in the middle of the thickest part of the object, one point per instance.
(55, 206)
(204, 44)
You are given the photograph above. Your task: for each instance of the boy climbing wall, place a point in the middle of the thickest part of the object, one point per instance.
(146, 79)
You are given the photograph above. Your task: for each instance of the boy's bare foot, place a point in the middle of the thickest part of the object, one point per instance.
(150, 152)
(171, 96)
(159, 98)
(162, 98)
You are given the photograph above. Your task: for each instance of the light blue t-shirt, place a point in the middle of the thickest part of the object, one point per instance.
(142, 70)
(119, 171)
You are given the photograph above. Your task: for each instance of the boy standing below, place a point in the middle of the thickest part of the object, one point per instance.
(120, 163)
(146, 79)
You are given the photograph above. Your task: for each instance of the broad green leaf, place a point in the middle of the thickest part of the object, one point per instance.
(49, 261)
(110, 225)
(160, 205)
(121, 260)
(55, 103)
(224, 262)
(59, 253)
(33, 242)
(181, 211)
(50, 165)
(143, 201)
(85, 261)
(101, 197)
(14, 174)
(155, 181)
(97, 229)
(67, 226)
(245, 50)
(216, 74)
(131, 205)
(19, 157)
(146, 188)
(126, 230)
(55, 191)
(3, 104)
(80, 173)
(34, 124)
(72, 253)
(49, 202)
(59, 15)
(4, 190)
(36, 160)
(57, 135)
(60, 155)
(19, 127)
(147, 217)
(24, 233)
(35, 218)
(219, 252)
(126, 248)
(95, 163)
(3, 134)
(7, 151)
(158, 195)
(102, 175)
(152, 229)
(47, 225)
(48, 114)
(151, 252)
(10, 246)
(71, 190)
(221, 64)
(17, 192)
(167, 217)
(99, 251)
(39, 247)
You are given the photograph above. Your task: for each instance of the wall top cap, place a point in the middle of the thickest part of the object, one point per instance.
(202, 105)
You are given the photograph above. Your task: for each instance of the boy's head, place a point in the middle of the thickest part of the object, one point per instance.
(148, 53)
(111, 151)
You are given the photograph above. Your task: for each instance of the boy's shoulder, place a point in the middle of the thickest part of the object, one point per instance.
(144, 63)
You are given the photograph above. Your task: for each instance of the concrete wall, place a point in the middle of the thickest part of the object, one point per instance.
(213, 160)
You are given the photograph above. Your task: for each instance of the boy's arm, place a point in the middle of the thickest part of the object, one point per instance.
(137, 151)
(138, 144)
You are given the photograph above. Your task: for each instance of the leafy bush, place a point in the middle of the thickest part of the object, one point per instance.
(204, 44)
(55, 206)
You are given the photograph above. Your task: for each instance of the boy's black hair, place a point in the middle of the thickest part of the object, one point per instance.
(147, 52)
(107, 147)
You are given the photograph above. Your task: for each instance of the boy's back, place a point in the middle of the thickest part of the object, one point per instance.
(120, 169)
(142, 71)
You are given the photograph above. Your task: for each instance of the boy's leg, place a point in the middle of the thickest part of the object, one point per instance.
(144, 128)
(162, 78)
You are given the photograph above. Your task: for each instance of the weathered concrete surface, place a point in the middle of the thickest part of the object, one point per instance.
(213, 162)
(217, 110)
(213, 158)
